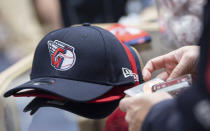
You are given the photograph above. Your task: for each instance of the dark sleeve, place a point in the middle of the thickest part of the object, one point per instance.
(164, 116)
(168, 115)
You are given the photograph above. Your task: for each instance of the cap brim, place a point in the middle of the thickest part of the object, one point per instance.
(69, 89)
(113, 94)
(88, 110)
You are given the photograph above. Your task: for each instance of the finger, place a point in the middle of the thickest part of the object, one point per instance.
(163, 75)
(124, 104)
(152, 65)
(178, 70)
(146, 75)
(127, 118)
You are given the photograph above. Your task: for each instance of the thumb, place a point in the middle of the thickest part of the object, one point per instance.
(124, 103)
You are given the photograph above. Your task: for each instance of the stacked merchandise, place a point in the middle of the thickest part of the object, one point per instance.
(83, 70)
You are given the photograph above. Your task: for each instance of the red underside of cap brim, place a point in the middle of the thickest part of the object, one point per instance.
(114, 94)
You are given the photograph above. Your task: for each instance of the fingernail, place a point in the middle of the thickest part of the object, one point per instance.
(146, 76)
(169, 79)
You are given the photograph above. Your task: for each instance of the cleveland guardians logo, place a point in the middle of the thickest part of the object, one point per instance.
(62, 55)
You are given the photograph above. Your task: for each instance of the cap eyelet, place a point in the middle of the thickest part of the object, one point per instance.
(86, 24)
(44, 81)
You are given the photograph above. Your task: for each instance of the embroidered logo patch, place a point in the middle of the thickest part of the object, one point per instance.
(62, 55)
(128, 73)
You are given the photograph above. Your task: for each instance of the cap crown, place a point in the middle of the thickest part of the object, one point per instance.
(82, 53)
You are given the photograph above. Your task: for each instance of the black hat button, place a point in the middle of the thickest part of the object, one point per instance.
(86, 24)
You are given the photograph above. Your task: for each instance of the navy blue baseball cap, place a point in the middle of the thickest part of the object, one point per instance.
(78, 63)
(88, 110)
(95, 109)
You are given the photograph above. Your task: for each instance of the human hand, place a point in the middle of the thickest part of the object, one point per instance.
(138, 106)
(176, 63)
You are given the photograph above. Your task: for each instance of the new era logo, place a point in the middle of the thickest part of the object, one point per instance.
(128, 73)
